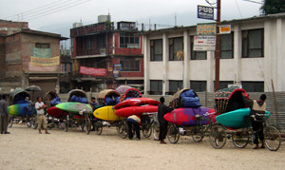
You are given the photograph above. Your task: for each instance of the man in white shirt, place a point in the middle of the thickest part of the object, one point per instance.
(40, 106)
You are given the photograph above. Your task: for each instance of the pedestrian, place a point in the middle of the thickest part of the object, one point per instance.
(259, 107)
(40, 106)
(94, 106)
(4, 115)
(134, 122)
(162, 110)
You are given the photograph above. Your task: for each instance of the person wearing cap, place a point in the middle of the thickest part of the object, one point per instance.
(259, 107)
(162, 110)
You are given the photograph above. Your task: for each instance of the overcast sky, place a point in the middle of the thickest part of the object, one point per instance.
(58, 15)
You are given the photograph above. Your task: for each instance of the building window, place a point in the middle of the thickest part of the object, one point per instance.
(101, 41)
(129, 40)
(174, 86)
(156, 50)
(130, 64)
(175, 45)
(155, 87)
(252, 43)
(42, 45)
(224, 84)
(198, 86)
(227, 45)
(197, 55)
(253, 86)
(89, 43)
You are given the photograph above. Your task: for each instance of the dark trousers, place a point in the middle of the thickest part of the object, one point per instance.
(257, 127)
(133, 125)
(162, 130)
(3, 124)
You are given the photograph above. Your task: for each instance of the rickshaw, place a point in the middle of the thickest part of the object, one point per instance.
(197, 120)
(81, 115)
(105, 114)
(21, 109)
(228, 101)
(55, 118)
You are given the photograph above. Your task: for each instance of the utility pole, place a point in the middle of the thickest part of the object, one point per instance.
(218, 47)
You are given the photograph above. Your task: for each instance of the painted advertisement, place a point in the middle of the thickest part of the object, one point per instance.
(93, 71)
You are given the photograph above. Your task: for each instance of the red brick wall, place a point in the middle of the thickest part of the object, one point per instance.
(126, 51)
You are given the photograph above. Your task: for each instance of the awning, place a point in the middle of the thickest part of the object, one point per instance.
(91, 56)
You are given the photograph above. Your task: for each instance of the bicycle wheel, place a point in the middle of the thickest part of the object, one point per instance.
(272, 138)
(156, 131)
(197, 134)
(240, 139)
(217, 136)
(87, 125)
(147, 132)
(173, 134)
(11, 121)
(123, 129)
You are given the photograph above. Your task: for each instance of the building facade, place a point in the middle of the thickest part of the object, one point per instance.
(105, 56)
(29, 57)
(252, 55)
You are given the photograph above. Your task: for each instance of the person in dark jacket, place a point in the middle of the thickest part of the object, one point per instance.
(4, 115)
(257, 106)
(162, 110)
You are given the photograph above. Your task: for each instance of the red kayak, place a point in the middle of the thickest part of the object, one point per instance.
(56, 112)
(136, 102)
(136, 110)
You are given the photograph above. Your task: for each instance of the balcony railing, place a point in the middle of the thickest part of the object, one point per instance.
(102, 51)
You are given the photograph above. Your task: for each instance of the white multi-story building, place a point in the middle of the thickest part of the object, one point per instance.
(253, 55)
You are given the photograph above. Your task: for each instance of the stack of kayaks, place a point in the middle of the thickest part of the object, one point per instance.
(109, 98)
(235, 119)
(187, 106)
(20, 105)
(136, 106)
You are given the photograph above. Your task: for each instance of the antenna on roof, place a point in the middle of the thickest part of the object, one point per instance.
(175, 20)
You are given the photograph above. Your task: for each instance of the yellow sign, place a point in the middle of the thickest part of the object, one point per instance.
(206, 29)
(45, 61)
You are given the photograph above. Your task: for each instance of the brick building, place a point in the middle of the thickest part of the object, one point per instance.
(105, 56)
(28, 57)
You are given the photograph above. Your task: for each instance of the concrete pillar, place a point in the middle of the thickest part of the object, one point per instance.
(210, 70)
(237, 54)
(270, 68)
(280, 52)
(146, 52)
(186, 38)
(165, 51)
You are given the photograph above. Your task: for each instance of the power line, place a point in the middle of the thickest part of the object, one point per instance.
(53, 9)
(238, 9)
(254, 2)
(35, 9)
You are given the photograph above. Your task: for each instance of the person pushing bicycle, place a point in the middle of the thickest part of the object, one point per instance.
(257, 107)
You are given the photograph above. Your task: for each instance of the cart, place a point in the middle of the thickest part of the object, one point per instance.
(82, 118)
(197, 131)
(21, 109)
(230, 99)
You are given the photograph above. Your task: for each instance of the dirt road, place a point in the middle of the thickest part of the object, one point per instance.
(25, 149)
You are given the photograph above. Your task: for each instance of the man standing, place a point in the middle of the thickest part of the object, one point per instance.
(4, 115)
(257, 106)
(40, 106)
(162, 110)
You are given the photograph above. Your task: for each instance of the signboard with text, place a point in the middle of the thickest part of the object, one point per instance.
(225, 29)
(206, 29)
(205, 12)
(204, 43)
(93, 71)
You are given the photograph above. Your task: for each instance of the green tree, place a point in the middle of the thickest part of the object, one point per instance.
(273, 6)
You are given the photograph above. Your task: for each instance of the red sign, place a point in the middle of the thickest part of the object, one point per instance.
(93, 71)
